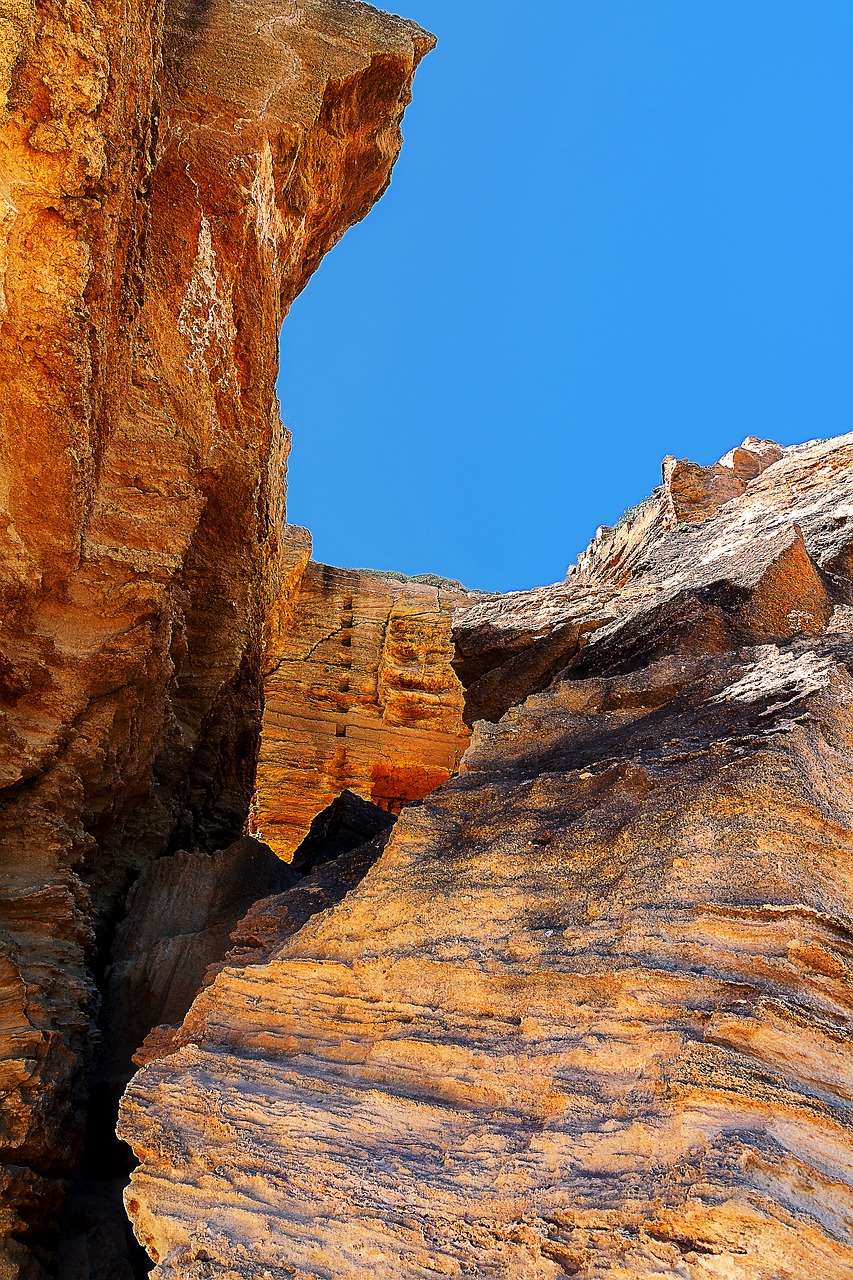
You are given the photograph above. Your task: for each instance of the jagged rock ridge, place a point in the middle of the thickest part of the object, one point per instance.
(590, 1012)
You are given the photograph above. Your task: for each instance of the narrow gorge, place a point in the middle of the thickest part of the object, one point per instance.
(355, 925)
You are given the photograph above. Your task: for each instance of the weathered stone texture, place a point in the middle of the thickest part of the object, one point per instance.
(689, 493)
(360, 694)
(169, 179)
(590, 1012)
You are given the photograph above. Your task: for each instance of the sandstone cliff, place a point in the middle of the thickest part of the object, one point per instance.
(169, 179)
(359, 694)
(590, 1013)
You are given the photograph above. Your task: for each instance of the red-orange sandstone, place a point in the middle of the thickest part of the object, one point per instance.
(170, 176)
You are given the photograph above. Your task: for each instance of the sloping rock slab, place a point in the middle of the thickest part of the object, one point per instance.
(590, 1014)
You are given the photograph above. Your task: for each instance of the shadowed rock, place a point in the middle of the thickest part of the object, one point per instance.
(180, 916)
(347, 823)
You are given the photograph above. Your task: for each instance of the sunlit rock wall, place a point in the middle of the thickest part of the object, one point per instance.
(590, 1013)
(360, 694)
(169, 179)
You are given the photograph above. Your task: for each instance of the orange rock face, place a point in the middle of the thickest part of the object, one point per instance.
(169, 179)
(360, 694)
(590, 1013)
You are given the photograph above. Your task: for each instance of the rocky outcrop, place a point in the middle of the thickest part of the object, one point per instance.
(169, 179)
(187, 916)
(590, 1012)
(692, 492)
(360, 695)
(511, 646)
(689, 493)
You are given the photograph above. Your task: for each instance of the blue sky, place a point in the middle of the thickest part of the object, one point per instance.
(618, 229)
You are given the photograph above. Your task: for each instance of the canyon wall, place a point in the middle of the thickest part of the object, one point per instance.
(359, 694)
(170, 176)
(590, 1012)
(587, 1010)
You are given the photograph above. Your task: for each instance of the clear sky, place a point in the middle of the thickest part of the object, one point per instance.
(618, 229)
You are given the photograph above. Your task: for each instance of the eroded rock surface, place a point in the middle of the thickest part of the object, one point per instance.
(590, 1013)
(679, 574)
(360, 695)
(169, 179)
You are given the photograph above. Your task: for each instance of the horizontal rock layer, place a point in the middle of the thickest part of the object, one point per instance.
(590, 1013)
(335, 859)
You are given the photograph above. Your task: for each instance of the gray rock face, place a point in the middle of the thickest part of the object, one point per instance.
(347, 823)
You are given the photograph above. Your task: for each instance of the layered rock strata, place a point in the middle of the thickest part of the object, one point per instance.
(508, 647)
(169, 179)
(360, 694)
(590, 1013)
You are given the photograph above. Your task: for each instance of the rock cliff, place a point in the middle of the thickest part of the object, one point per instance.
(590, 1012)
(170, 176)
(360, 693)
(585, 1009)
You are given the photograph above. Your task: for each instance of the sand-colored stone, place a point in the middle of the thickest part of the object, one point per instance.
(170, 176)
(343, 862)
(689, 494)
(360, 694)
(590, 1014)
